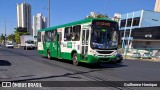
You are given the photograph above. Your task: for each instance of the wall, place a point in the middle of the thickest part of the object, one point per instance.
(129, 16)
(150, 19)
(142, 44)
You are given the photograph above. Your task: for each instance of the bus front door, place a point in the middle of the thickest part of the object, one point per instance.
(84, 49)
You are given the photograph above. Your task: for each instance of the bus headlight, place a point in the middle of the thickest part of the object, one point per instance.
(115, 53)
(92, 52)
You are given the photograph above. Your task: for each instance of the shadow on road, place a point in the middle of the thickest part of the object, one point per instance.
(95, 66)
(103, 65)
(69, 75)
(110, 65)
(5, 63)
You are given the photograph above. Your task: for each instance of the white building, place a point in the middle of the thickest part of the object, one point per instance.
(24, 16)
(39, 22)
(157, 6)
(140, 29)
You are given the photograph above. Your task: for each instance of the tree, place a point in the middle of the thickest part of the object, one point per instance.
(11, 37)
(95, 15)
(2, 37)
(18, 34)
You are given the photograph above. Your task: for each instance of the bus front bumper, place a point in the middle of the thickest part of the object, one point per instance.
(104, 59)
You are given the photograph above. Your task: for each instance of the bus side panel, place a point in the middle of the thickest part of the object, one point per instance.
(68, 47)
(41, 52)
(92, 59)
(54, 49)
(66, 55)
(45, 49)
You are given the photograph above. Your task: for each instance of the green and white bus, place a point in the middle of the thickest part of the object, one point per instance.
(87, 41)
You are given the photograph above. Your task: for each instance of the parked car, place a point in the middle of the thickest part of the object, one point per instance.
(27, 42)
(136, 55)
(146, 55)
(9, 45)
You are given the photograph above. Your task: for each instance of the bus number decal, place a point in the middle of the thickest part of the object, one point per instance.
(69, 44)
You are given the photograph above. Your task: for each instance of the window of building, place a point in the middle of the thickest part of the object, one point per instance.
(68, 34)
(48, 36)
(129, 21)
(76, 33)
(123, 23)
(136, 21)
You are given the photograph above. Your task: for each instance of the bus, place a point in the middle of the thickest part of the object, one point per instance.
(89, 41)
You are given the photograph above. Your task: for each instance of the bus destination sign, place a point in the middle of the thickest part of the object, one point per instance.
(102, 23)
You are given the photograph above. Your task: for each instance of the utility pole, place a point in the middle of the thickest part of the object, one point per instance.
(48, 13)
(105, 7)
(5, 31)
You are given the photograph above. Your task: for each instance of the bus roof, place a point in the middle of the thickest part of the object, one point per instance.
(74, 23)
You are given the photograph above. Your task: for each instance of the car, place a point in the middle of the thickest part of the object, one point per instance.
(9, 45)
(136, 55)
(146, 55)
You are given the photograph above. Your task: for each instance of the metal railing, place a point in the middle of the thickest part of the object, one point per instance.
(141, 53)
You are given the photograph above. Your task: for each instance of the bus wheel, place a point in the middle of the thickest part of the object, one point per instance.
(49, 55)
(75, 59)
(119, 61)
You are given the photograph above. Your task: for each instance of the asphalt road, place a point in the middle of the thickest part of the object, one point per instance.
(26, 65)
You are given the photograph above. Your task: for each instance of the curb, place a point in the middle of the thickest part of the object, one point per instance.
(150, 60)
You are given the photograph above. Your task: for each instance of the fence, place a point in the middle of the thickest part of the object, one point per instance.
(141, 53)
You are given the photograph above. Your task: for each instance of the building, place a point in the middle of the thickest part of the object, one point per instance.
(157, 6)
(39, 22)
(116, 17)
(138, 29)
(24, 16)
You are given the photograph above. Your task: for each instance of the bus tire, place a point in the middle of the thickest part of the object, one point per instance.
(75, 59)
(119, 61)
(49, 55)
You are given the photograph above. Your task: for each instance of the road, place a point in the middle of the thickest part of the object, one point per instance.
(26, 65)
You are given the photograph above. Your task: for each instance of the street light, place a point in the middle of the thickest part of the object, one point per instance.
(48, 13)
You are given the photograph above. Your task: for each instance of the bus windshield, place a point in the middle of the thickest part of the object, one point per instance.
(104, 38)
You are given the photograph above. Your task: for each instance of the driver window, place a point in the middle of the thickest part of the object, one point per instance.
(114, 36)
(93, 36)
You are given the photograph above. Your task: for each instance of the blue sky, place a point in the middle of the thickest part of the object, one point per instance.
(64, 11)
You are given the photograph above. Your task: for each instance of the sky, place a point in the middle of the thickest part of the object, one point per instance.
(66, 11)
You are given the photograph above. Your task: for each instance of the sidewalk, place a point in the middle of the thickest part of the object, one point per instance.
(143, 59)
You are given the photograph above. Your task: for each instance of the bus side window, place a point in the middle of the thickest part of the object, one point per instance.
(39, 37)
(59, 38)
(48, 36)
(42, 38)
(54, 35)
(76, 32)
(68, 34)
